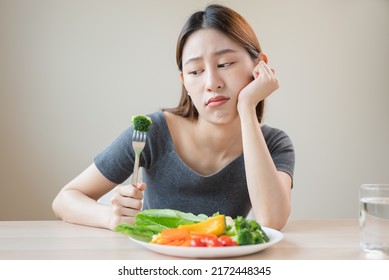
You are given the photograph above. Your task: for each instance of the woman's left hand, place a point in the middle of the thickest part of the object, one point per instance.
(265, 83)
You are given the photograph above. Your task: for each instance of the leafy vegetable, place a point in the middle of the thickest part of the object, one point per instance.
(153, 221)
(157, 219)
(141, 123)
(246, 232)
(142, 234)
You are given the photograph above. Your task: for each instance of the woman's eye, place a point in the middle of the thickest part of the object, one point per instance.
(224, 65)
(195, 72)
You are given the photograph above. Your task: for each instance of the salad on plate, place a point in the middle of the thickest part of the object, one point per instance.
(175, 228)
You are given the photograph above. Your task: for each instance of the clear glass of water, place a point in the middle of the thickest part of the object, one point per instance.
(374, 217)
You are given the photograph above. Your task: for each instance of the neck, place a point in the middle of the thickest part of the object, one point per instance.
(219, 138)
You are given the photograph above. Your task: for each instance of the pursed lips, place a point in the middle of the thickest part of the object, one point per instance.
(217, 101)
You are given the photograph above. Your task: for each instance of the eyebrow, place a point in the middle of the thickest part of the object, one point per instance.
(218, 53)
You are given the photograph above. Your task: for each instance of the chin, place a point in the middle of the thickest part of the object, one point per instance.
(223, 118)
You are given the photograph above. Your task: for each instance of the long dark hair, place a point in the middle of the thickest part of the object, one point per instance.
(231, 24)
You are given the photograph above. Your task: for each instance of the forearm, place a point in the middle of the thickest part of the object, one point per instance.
(268, 190)
(74, 207)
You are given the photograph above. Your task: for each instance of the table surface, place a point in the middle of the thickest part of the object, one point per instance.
(58, 240)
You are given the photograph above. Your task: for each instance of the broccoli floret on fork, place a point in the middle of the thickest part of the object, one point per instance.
(141, 123)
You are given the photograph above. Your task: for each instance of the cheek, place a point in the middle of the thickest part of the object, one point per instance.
(192, 85)
(196, 98)
(240, 79)
(194, 90)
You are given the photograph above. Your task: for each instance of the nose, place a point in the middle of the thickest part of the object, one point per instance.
(214, 80)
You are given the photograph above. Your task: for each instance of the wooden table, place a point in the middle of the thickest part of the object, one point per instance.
(57, 240)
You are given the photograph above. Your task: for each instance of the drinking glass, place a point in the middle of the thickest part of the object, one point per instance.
(374, 217)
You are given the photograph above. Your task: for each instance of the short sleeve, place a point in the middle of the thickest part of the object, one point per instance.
(116, 162)
(281, 149)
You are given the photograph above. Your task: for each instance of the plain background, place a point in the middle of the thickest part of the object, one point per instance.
(72, 73)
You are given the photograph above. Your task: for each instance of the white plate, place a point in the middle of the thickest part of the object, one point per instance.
(213, 252)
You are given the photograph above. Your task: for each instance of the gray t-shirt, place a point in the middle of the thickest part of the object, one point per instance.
(172, 184)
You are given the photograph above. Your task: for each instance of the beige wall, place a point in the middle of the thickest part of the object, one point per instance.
(73, 72)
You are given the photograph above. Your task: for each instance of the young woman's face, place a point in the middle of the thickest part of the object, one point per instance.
(214, 70)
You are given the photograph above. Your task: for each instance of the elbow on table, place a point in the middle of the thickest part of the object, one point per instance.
(56, 206)
(277, 223)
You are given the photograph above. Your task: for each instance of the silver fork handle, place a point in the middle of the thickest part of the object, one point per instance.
(134, 180)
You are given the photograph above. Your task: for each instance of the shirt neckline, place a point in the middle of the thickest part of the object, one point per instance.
(177, 156)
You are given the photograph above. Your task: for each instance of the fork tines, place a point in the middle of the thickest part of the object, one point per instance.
(139, 136)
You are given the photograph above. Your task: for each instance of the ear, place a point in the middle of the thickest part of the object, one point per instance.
(263, 57)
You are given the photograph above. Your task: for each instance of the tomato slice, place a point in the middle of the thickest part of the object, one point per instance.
(227, 241)
(214, 242)
(197, 242)
(210, 240)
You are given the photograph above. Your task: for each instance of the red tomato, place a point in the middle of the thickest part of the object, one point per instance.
(227, 241)
(197, 242)
(210, 240)
(213, 242)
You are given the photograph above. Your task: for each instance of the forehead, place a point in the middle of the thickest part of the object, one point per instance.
(208, 41)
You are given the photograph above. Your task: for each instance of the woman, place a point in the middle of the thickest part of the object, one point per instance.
(211, 153)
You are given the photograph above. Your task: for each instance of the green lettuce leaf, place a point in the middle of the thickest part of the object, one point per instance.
(153, 221)
(142, 234)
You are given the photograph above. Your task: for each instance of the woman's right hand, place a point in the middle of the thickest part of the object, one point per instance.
(264, 84)
(126, 203)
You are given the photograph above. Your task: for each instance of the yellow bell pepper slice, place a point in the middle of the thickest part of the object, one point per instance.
(213, 225)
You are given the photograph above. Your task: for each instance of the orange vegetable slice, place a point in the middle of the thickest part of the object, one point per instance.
(174, 234)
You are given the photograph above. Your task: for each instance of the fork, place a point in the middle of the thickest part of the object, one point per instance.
(138, 143)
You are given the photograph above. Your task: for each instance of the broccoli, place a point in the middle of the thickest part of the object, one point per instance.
(246, 232)
(141, 123)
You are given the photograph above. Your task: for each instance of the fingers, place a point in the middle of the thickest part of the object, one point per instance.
(265, 75)
(264, 69)
(126, 202)
(131, 191)
(270, 73)
(122, 215)
(128, 197)
(141, 186)
(265, 81)
(124, 212)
